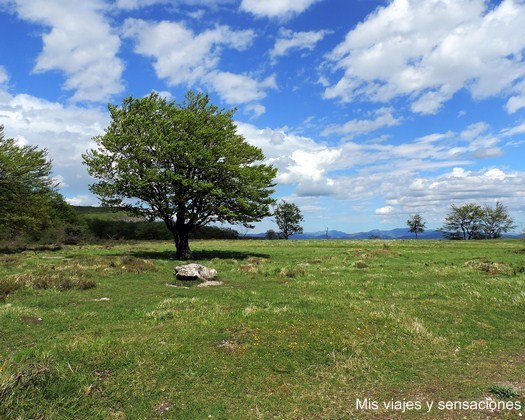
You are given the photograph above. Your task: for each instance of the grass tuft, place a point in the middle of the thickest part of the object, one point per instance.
(292, 272)
(505, 392)
(45, 278)
(489, 267)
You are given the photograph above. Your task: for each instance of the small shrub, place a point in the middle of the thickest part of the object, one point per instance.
(8, 285)
(292, 272)
(360, 264)
(503, 391)
(135, 265)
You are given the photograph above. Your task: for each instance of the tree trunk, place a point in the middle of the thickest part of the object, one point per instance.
(180, 231)
(182, 245)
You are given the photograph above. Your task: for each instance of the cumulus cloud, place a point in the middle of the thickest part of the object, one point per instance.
(80, 43)
(238, 88)
(184, 57)
(82, 200)
(138, 4)
(486, 186)
(424, 175)
(180, 55)
(276, 8)
(427, 50)
(289, 40)
(382, 211)
(300, 160)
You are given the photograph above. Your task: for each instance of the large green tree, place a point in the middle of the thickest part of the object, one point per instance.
(288, 217)
(27, 190)
(496, 221)
(463, 222)
(184, 163)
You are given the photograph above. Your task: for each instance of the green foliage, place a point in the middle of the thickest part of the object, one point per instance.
(31, 210)
(416, 224)
(463, 222)
(503, 391)
(271, 234)
(182, 163)
(471, 221)
(496, 221)
(288, 218)
(136, 230)
(26, 187)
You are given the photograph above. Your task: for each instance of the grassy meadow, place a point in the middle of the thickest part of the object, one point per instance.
(299, 329)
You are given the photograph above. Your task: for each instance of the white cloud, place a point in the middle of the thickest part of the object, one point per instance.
(82, 200)
(427, 50)
(180, 55)
(238, 88)
(383, 118)
(4, 76)
(183, 57)
(81, 44)
(424, 175)
(434, 195)
(384, 210)
(276, 8)
(474, 130)
(138, 4)
(300, 160)
(512, 131)
(289, 40)
(256, 109)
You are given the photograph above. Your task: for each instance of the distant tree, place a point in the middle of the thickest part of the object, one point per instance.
(182, 163)
(288, 218)
(416, 224)
(463, 222)
(27, 190)
(271, 234)
(496, 221)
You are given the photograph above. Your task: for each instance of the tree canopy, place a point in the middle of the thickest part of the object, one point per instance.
(288, 218)
(496, 221)
(26, 186)
(183, 163)
(416, 224)
(471, 221)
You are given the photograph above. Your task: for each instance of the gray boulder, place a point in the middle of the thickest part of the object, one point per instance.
(194, 272)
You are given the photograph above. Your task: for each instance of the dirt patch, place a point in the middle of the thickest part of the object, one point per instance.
(162, 408)
(103, 374)
(31, 319)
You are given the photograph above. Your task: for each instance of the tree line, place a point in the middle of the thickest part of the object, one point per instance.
(469, 221)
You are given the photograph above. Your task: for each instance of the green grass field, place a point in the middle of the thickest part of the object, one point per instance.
(299, 329)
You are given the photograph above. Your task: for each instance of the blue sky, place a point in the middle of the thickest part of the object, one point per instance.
(371, 110)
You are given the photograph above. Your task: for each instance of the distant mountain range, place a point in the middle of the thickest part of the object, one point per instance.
(399, 233)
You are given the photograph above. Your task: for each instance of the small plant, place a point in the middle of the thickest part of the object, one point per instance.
(292, 272)
(503, 391)
(360, 264)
